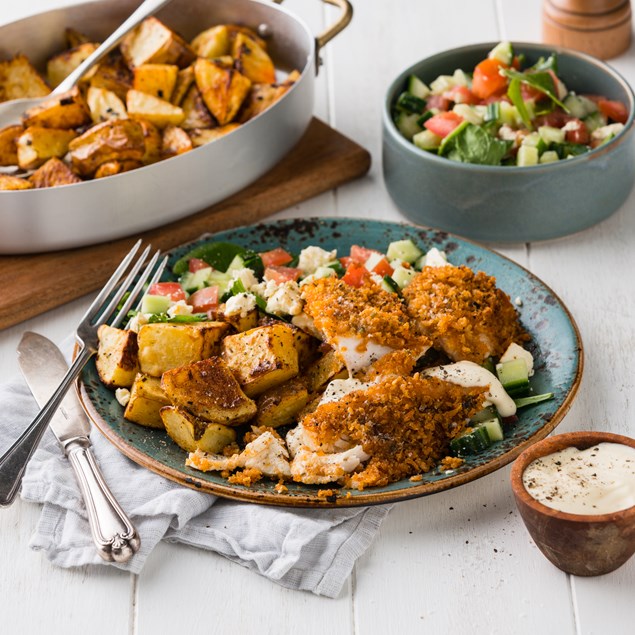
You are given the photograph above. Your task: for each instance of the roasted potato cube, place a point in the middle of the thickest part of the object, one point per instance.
(262, 358)
(252, 60)
(280, 406)
(223, 89)
(36, 145)
(157, 111)
(61, 66)
(74, 38)
(63, 111)
(307, 347)
(241, 322)
(209, 390)
(158, 80)
(8, 147)
(104, 105)
(18, 79)
(164, 346)
(9, 182)
(146, 400)
(184, 80)
(261, 96)
(328, 367)
(117, 356)
(154, 43)
(53, 173)
(117, 139)
(196, 113)
(235, 29)
(152, 140)
(113, 75)
(192, 434)
(110, 168)
(213, 42)
(175, 141)
(202, 136)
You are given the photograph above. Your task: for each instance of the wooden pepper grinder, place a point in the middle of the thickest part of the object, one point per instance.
(599, 27)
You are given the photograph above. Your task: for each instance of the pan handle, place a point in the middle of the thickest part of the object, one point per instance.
(324, 38)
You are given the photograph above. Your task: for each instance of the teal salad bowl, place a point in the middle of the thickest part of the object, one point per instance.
(511, 203)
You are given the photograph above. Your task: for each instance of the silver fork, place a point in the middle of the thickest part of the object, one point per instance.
(13, 463)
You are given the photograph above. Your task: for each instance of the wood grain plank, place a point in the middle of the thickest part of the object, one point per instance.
(322, 160)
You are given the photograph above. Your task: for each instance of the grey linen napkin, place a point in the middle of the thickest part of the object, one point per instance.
(307, 549)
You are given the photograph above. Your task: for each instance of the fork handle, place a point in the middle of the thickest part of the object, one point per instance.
(145, 10)
(113, 534)
(13, 462)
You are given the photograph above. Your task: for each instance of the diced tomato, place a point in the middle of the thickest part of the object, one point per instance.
(204, 300)
(171, 289)
(530, 93)
(614, 110)
(355, 274)
(383, 268)
(194, 264)
(276, 257)
(361, 254)
(345, 261)
(579, 134)
(555, 119)
(487, 80)
(281, 274)
(516, 63)
(440, 102)
(443, 123)
(461, 95)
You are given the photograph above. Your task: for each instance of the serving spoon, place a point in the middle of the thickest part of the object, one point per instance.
(11, 111)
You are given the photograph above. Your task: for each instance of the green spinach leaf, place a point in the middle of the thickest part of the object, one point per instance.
(475, 145)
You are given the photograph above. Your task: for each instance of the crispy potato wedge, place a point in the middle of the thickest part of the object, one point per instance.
(117, 139)
(18, 79)
(60, 66)
(328, 367)
(157, 111)
(223, 89)
(8, 148)
(113, 75)
(261, 96)
(307, 347)
(10, 182)
(192, 434)
(36, 145)
(184, 79)
(213, 42)
(165, 346)
(235, 29)
(154, 43)
(74, 38)
(53, 173)
(209, 390)
(152, 140)
(262, 358)
(202, 136)
(280, 406)
(239, 321)
(252, 60)
(110, 168)
(196, 113)
(158, 80)
(175, 141)
(65, 111)
(146, 400)
(117, 360)
(104, 104)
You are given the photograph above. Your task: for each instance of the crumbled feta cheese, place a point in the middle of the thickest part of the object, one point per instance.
(265, 289)
(514, 351)
(122, 395)
(507, 133)
(313, 257)
(518, 301)
(246, 276)
(435, 258)
(241, 303)
(376, 278)
(607, 131)
(138, 321)
(373, 260)
(286, 299)
(180, 308)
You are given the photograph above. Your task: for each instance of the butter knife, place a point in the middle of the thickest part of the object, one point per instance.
(43, 367)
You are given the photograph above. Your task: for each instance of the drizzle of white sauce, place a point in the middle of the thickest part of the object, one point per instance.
(358, 353)
(514, 351)
(598, 480)
(470, 374)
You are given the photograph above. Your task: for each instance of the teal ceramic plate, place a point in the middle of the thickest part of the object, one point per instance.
(555, 344)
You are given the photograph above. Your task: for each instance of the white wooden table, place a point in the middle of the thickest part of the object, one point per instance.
(459, 560)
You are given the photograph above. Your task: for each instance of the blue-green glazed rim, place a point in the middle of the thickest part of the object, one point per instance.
(556, 346)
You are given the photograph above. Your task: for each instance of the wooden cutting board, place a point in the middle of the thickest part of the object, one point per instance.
(322, 160)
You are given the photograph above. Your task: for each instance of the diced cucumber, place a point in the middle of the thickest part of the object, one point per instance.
(403, 250)
(503, 52)
(527, 155)
(579, 106)
(236, 264)
(550, 134)
(403, 276)
(411, 104)
(426, 140)
(494, 429)
(471, 442)
(448, 140)
(320, 272)
(460, 78)
(428, 114)
(508, 113)
(521, 402)
(594, 121)
(193, 281)
(390, 285)
(535, 140)
(513, 375)
(408, 124)
(338, 267)
(550, 156)
(486, 414)
(468, 113)
(417, 87)
(493, 112)
(442, 84)
(155, 304)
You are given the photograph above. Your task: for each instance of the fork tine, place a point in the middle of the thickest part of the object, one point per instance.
(155, 278)
(110, 285)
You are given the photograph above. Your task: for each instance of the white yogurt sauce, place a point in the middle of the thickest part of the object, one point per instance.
(598, 480)
(470, 374)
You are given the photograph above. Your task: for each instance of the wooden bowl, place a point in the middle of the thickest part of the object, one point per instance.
(584, 545)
